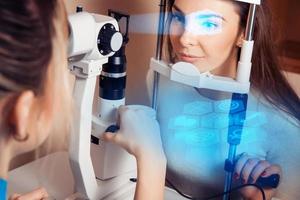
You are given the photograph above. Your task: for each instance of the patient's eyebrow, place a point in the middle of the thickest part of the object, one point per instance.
(201, 16)
(210, 15)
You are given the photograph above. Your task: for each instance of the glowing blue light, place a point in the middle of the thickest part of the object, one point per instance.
(198, 108)
(248, 135)
(237, 119)
(209, 22)
(204, 125)
(255, 119)
(196, 137)
(209, 26)
(222, 106)
(228, 105)
(234, 134)
(215, 120)
(177, 17)
(184, 122)
(208, 15)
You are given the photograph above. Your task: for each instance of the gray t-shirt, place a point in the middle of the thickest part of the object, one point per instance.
(194, 134)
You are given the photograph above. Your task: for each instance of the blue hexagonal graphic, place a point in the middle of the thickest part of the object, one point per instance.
(215, 121)
(198, 108)
(184, 122)
(222, 106)
(245, 134)
(197, 137)
(225, 106)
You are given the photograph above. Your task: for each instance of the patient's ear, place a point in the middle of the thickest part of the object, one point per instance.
(240, 39)
(19, 116)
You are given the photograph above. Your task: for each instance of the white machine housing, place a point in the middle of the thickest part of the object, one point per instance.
(83, 40)
(257, 2)
(85, 62)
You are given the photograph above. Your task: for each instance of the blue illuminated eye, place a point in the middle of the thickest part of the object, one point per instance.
(178, 18)
(209, 25)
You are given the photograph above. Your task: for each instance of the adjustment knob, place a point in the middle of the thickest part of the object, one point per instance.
(79, 9)
(109, 39)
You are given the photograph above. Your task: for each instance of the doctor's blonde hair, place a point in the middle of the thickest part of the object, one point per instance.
(33, 56)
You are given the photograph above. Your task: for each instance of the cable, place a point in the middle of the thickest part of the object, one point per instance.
(218, 195)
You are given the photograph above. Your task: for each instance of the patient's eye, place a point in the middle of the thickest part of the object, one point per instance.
(178, 18)
(209, 25)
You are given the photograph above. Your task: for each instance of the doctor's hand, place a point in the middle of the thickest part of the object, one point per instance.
(139, 132)
(248, 169)
(38, 194)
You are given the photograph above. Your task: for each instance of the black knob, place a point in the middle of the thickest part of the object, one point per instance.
(112, 128)
(109, 39)
(79, 9)
(269, 182)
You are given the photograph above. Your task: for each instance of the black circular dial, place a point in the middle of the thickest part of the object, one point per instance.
(109, 39)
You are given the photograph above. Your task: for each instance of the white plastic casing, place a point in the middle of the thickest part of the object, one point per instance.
(81, 42)
(245, 64)
(257, 2)
(85, 28)
(85, 62)
(188, 74)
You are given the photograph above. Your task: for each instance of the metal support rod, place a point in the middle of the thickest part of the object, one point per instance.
(155, 90)
(228, 174)
(160, 32)
(159, 45)
(250, 23)
(237, 117)
(232, 148)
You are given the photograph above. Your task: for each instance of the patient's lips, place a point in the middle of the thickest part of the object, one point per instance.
(189, 58)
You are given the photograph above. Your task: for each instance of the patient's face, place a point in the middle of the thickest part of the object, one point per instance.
(206, 33)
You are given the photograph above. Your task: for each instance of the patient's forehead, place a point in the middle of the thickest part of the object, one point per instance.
(222, 7)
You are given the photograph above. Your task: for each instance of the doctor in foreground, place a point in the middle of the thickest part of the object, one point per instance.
(34, 90)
